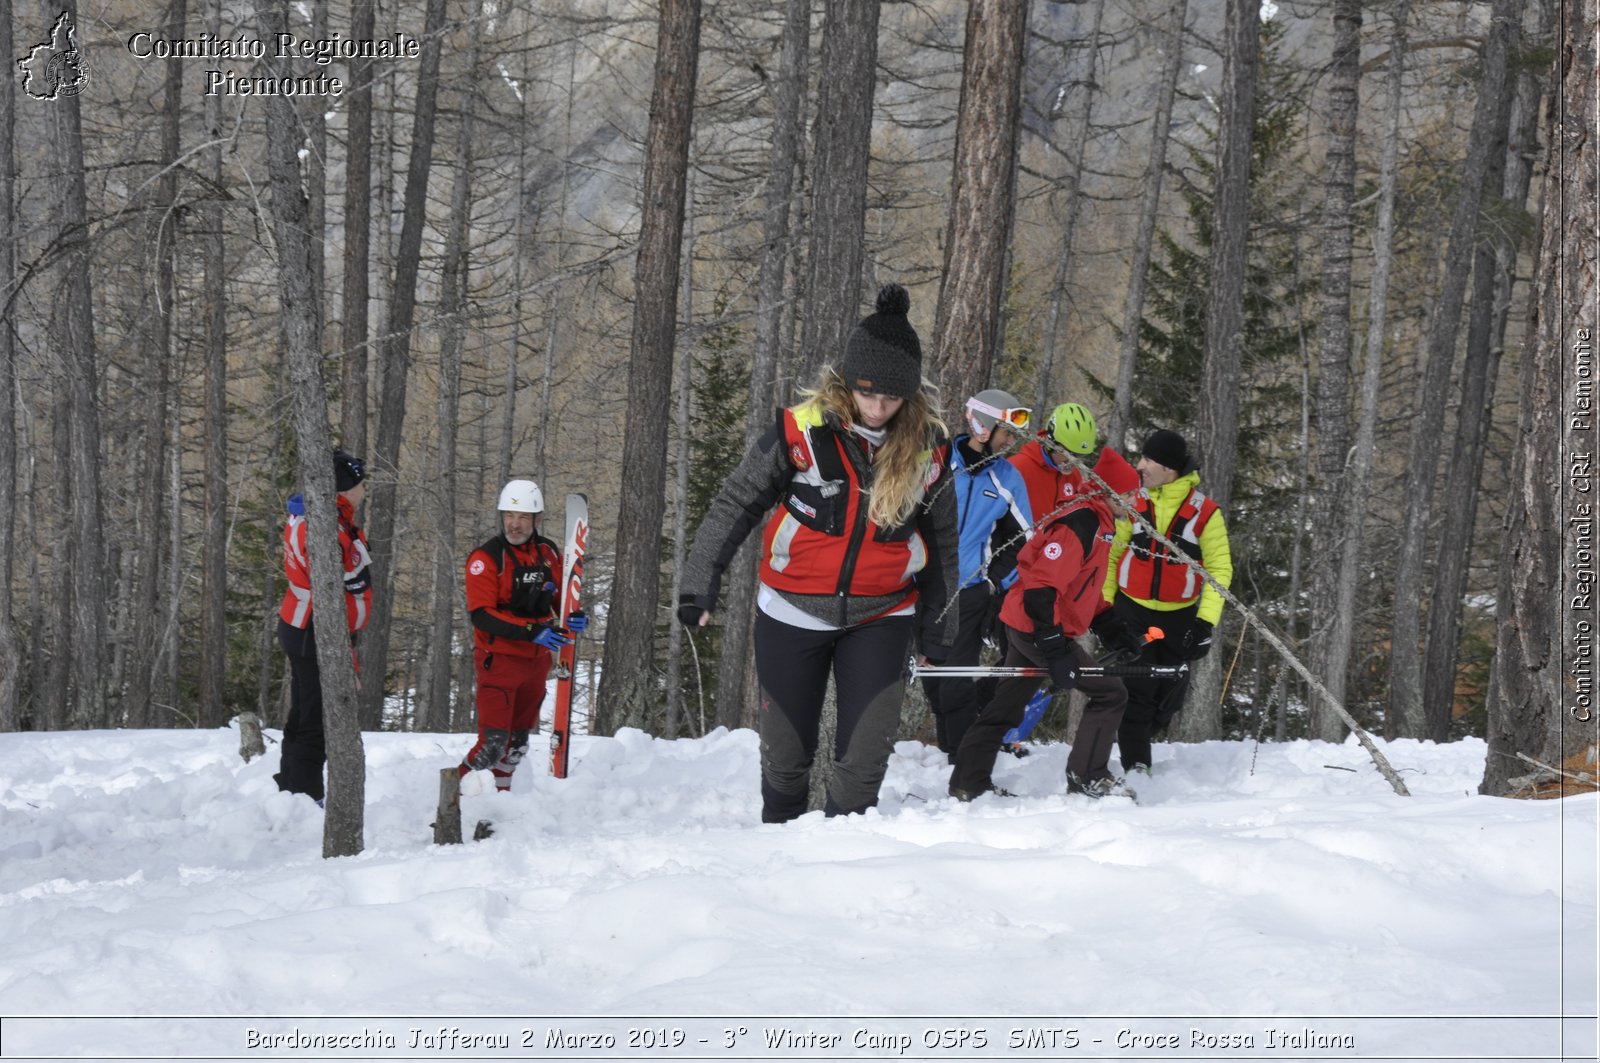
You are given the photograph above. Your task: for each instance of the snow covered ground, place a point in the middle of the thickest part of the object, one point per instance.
(1279, 902)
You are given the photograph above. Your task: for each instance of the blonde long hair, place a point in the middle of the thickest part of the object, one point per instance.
(900, 467)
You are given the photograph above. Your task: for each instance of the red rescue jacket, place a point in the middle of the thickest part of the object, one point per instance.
(509, 583)
(1055, 558)
(1048, 486)
(296, 607)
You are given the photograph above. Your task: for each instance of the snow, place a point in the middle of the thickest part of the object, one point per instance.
(1281, 894)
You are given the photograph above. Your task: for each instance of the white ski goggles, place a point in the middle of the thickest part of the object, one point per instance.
(1016, 418)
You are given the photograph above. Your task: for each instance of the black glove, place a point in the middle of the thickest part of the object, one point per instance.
(689, 613)
(991, 619)
(359, 582)
(1197, 641)
(1064, 672)
(1050, 641)
(1113, 632)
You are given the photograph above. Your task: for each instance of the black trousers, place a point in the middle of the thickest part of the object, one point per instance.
(955, 702)
(304, 751)
(1152, 703)
(1091, 745)
(868, 663)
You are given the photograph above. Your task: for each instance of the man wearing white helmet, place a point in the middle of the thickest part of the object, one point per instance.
(514, 607)
(993, 520)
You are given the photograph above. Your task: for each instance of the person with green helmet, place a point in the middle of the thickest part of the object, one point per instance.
(1047, 470)
(1053, 482)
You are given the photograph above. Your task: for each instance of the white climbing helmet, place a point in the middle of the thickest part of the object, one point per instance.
(521, 496)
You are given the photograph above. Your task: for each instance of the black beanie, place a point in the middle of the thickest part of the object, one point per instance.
(883, 355)
(1167, 448)
(347, 470)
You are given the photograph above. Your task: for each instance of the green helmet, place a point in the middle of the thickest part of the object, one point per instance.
(1072, 427)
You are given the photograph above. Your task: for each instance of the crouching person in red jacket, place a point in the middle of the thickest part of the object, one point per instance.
(1060, 572)
(513, 604)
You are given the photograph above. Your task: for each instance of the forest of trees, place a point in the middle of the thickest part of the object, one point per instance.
(1344, 245)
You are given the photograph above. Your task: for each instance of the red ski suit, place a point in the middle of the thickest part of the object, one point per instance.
(511, 591)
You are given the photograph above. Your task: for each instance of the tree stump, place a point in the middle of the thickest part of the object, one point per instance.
(251, 744)
(447, 821)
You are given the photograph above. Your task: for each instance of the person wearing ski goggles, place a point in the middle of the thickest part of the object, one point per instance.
(993, 520)
(983, 415)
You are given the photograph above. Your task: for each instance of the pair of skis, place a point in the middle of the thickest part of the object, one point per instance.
(572, 552)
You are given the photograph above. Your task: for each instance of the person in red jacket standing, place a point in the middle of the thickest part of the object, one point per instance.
(304, 750)
(513, 604)
(1060, 573)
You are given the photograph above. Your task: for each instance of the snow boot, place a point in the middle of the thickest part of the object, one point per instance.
(1107, 785)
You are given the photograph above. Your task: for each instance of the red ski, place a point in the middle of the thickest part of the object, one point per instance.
(571, 599)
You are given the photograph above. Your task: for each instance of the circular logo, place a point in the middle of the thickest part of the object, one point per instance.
(797, 457)
(1052, 550)
(476, 568)
(65, 74)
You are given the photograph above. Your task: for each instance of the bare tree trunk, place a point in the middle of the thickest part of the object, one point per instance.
(1331, 505)
(314, 116)
(346, 798)
(1427, 426)
(629, 684)
(1219, 392)
(435, 712)
(56, 698)
(847, 80)
(680, 484)
(394, 352)
(159, 312)
(357, 237)
(1062, 283)
(214, 565)
(1149, 211)
(75, 336)
(788, 102)
(1493, 260)
(1538, 704)
(1230, 227)
(982, 197)
(10, 647)
(267, 653)
(1332, 648)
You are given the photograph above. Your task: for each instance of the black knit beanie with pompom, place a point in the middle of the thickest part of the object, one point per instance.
(883, 355)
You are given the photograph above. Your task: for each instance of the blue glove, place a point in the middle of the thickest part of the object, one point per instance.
(550, 637)
(577, 622)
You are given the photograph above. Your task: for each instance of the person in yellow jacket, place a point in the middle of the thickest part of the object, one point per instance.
(1146, 586)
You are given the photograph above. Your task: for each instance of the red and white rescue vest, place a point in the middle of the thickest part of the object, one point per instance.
(820, 539)
(1148, 571)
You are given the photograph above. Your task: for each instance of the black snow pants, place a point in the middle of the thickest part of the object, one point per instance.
(955, 702)
(304, 752)
(1152, 703)
(868, 663)
(1091, 745)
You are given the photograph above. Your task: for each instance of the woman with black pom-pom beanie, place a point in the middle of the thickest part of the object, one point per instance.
(861, 530)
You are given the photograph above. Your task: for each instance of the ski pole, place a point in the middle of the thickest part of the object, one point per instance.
(1088, 671)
